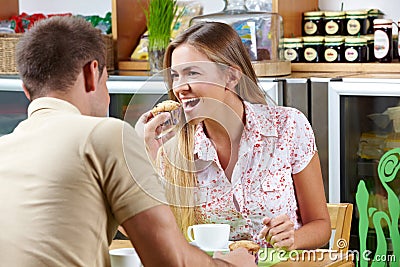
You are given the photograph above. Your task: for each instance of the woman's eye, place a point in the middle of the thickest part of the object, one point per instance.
(193, 73)
(174, 76)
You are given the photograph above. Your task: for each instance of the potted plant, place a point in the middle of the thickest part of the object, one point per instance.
(161, 16)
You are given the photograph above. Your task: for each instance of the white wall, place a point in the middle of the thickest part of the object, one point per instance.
(391, 8)
(100, 7)
(91, 7)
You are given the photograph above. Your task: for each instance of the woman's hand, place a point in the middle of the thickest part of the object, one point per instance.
(148, 127)
(279, 232)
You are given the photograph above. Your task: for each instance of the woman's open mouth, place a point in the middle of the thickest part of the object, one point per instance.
(189, 104)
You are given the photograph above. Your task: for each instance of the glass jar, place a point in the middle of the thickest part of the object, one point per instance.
(396, 46)
(372, 15)
(355, 49)
(313, 49)
(333, 51)
(334, 22)
(370, 45)
(293, 49)
(313, 23)
(259, 5)
(383, 43)
(356, 22)
(261, 32)
(398, 40)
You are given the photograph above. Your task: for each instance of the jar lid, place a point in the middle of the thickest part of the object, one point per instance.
(334, 13)
(382, 21)
(357, 13)
(293, 40)
(356, 40)
(334, 39)
(374, 11)
(313, 39)
(313, 14)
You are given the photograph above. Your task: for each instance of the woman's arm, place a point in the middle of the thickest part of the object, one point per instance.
(316, 229)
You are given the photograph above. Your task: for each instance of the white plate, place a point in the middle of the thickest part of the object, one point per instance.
(212, 250)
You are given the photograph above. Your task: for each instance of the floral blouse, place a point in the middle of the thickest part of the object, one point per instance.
(276, 143)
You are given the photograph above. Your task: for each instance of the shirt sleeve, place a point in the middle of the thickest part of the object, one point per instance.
(303, 141)
(123, 169)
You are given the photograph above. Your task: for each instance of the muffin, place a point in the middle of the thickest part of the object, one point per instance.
(165, 106)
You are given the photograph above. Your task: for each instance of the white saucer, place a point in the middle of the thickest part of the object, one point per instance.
(210, 249)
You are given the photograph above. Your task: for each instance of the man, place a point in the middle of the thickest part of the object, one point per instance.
(69, 175)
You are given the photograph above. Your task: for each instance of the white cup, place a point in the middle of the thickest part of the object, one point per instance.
(209, 236)
(124, 257)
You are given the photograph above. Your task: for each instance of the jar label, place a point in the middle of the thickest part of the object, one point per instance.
(381, 44)
(310, 27)
(353, 27)
(290, 54)
(310, 54)
(331, 54)
(351, 54)
(331, 27)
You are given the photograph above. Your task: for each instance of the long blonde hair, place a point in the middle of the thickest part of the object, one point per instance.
(222, 45)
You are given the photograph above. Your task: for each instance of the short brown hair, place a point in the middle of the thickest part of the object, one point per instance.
(52, 53)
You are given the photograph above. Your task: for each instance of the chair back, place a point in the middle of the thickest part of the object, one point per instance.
(340, 215)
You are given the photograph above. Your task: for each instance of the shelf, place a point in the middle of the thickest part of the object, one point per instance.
(351, 67)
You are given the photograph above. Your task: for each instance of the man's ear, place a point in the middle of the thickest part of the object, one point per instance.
(90, 74)
(26, 92)
(234, 76)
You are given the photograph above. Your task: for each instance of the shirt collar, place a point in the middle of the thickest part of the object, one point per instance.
(51, 103)
(260, 120)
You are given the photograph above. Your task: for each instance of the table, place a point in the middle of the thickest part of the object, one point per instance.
(318, 258)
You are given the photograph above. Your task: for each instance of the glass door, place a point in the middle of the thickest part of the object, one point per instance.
(360, 132)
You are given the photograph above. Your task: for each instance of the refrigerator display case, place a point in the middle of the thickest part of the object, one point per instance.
(360, 132)
(130, 96)
(13, 104)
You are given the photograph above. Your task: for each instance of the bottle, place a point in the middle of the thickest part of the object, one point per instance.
(293, 49)
(370, 44)
(334, 22)
(372, 15)
(313, 49)
(261, 32)
(313, 23)
(383, 43)
(398, 40)
(356, 22)
(356, 50)
(334, 49)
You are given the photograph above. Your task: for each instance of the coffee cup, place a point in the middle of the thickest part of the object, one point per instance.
(124, 257)
(209, 236)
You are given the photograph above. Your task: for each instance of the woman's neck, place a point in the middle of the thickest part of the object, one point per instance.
(227, 124)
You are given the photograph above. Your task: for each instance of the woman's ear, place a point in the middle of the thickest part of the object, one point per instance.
(90, 74)
(233, 77)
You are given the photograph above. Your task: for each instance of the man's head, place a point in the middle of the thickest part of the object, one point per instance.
(52, 54)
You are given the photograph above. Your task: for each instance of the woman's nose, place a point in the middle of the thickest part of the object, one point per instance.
(181, 87)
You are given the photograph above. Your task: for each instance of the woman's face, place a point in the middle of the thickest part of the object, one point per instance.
(198, 83)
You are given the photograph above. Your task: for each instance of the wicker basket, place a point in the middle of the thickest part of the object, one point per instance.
(8, 42)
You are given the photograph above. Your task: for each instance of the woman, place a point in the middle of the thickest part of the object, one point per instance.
(238, 159)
